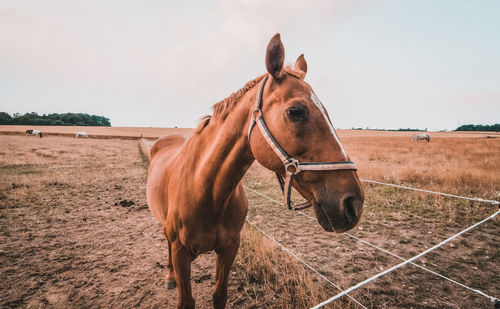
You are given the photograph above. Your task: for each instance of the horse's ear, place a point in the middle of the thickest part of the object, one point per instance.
(301, 64)
(275, 57)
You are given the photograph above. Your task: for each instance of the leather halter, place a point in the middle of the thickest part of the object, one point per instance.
(292, 166)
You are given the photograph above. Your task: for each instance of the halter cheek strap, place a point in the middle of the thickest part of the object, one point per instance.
(292, 166)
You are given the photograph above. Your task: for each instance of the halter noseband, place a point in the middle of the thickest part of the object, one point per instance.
(292, 166)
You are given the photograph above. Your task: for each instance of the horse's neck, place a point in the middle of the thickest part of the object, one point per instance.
(223, 155)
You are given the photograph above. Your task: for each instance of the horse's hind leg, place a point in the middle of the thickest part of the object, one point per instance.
(225, 259)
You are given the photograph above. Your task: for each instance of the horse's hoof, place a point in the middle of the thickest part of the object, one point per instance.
(171, 284)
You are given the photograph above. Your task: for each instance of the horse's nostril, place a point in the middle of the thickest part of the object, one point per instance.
(349, 211)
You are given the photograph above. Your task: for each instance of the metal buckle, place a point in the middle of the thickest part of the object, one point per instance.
(256, 113)
(294, 164)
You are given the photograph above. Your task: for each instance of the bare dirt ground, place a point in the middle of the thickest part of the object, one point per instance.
(75, 231)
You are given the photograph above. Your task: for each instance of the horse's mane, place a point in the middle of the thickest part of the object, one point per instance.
(223, 108)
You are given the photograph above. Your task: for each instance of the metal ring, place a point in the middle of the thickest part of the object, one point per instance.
(294, 164)
(256, 113)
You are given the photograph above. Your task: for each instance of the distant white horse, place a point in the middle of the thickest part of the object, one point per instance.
(34, 132)
(420, 137)
(81, 134)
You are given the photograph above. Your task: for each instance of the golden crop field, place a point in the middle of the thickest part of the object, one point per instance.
(129, 132)
(76, 232)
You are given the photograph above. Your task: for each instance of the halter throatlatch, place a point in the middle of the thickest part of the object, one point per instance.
(292, 166)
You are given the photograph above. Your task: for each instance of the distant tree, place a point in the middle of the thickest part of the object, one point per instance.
(5, 118)
(479, 127)
(67, 119)
(410, 129)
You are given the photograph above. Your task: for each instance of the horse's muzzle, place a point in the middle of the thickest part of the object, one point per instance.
(340, 215)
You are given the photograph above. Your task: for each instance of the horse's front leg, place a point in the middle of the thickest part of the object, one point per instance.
(225, 259)
(170, 269)
(181, 260)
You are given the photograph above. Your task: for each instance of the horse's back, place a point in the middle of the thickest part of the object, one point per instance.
(165, 143)
(162, 154)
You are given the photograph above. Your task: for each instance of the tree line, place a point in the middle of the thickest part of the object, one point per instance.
(400, 129)
(479, 127)
(67, 119)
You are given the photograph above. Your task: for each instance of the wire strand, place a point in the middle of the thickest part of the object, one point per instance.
(476, 199)
(388, 252)
(354, 287)
(300, 260)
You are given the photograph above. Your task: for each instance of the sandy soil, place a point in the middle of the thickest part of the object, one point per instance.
(75, 231)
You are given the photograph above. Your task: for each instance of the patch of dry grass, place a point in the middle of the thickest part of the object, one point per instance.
(267, 268)
(463, 166)
(401, 221)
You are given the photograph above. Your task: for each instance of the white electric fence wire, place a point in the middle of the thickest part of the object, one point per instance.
(476, 199)
(389, 253)
(419, 266)
(264, 196)
(326, 302)
(426, 269)
(300, 260)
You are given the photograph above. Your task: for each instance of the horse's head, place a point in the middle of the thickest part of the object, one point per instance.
(300, 125)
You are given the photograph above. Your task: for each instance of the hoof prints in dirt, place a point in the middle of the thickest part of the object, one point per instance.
(125, 203)
(128, 203)
(58, 184)
(202, 278)
(16, 186)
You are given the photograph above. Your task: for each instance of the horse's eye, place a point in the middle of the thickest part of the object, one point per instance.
(295, 113)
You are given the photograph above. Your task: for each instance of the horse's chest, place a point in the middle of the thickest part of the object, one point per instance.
(205, 238)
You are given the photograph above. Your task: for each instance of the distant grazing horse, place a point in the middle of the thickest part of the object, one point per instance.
(194, 185)
(420, 137)
(34, 132)
(81, 134)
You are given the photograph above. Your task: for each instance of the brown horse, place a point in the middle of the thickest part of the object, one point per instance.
(194, 185)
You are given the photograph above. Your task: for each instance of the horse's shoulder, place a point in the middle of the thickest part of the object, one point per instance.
(166, 142)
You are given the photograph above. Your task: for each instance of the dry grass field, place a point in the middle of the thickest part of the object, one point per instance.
(100, 132)
(70, 235)
(402, 222)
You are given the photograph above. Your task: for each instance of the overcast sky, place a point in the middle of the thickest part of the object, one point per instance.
(379, 64)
